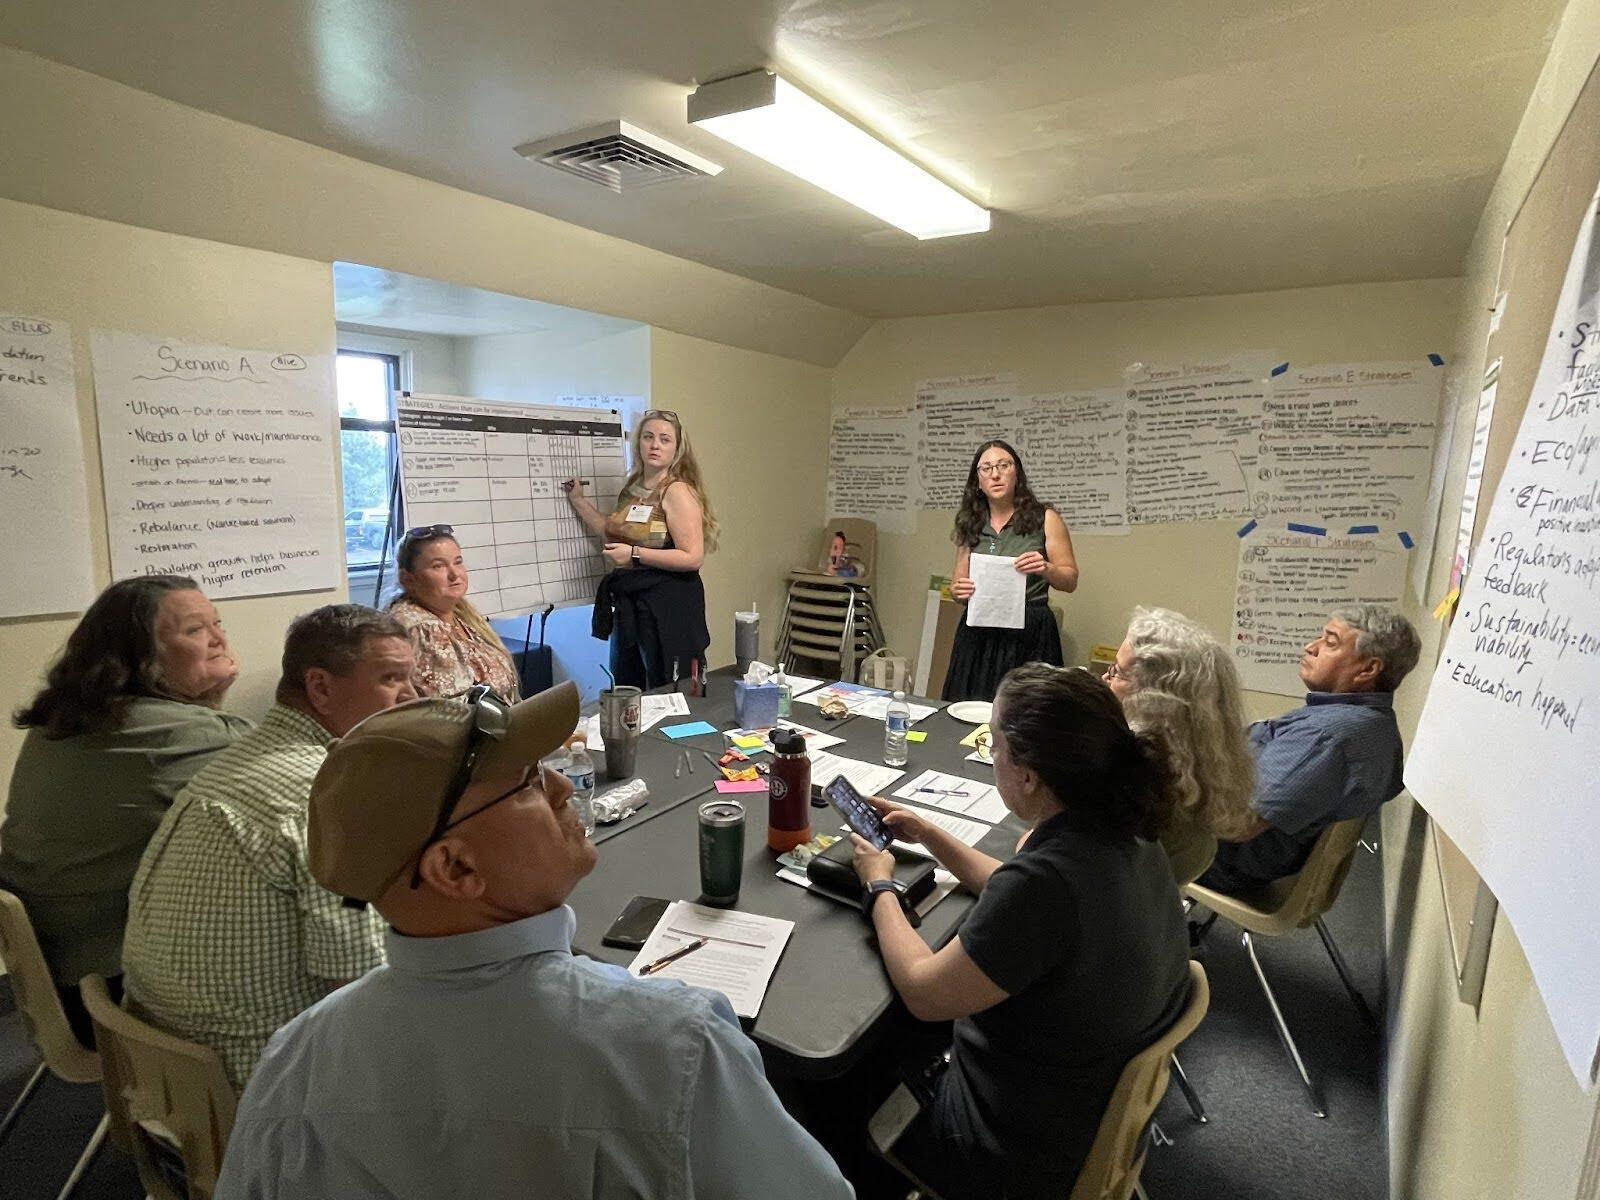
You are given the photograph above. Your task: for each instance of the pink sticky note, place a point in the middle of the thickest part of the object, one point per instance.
(741, 785)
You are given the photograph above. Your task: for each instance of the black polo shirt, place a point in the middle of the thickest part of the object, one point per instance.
(1085, 930)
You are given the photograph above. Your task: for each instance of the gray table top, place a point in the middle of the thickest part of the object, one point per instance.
(830, 989)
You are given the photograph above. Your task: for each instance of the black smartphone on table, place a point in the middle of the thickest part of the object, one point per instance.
(857, 813)
(634, 924)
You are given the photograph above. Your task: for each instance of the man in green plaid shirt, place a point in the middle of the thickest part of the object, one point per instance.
(228, 934)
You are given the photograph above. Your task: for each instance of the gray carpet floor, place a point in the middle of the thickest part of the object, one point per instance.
(1261, 1143)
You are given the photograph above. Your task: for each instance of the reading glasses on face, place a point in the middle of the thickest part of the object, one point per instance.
(996, 468)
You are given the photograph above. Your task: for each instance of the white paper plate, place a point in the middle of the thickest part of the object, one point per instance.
(973, 712)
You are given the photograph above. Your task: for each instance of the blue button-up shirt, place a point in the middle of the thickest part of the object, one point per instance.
(1338, 757)
(497, 1064)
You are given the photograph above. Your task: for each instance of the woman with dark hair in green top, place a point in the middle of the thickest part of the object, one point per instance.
(1000, 515)
(126, 716)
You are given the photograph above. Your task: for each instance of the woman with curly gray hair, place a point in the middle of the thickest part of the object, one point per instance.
(1178, 685)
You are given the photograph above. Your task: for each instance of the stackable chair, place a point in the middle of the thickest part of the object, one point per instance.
(1293, 903)
(169, 1101)
(829, 619)
(1111, 1171)
(46, 1022)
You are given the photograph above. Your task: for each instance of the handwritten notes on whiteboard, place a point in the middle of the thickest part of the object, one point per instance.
(1350, 442)
(872, 467)
(1075, 448)
(958, 415)
(219, 464)
(1194, 430)
(1508, 747)
(41, 470)
(1291, 575)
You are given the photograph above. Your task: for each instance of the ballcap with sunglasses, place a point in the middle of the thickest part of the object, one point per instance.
(387, 789)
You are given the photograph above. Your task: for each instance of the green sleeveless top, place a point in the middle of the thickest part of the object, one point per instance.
(1008, 543)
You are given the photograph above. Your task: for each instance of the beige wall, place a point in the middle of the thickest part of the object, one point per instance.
(1186, 567)
(94, 273)
(759, 426)
(428, 361)
(536, 368)
(1481, 1105)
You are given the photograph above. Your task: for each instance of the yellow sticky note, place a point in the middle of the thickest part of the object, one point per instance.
(916, 735)
(749, 743)
(1448, 603)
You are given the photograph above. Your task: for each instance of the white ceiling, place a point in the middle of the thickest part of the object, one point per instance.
(1129, 148)
(382, 299)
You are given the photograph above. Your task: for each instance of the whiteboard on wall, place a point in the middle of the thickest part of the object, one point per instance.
(42, 476)
(493, 473)
(219, 463)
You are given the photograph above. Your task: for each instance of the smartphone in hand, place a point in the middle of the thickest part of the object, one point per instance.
(858, 814)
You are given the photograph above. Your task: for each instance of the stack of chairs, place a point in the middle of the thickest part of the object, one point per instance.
(829, 619)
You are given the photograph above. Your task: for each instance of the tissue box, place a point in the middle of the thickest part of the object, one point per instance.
(755, 706)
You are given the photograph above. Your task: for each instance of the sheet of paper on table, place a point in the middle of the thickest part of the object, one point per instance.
(1002, 592)
(863, 701)
(869, 779)
(968, 833)
(815, 738)
(955, 794)
(652, 710)
(799, 685)
(741, 951)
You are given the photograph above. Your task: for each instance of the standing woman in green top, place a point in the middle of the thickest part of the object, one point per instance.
(127, 715)
(999, 514)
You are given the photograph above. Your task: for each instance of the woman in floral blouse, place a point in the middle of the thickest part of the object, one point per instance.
(455, 647)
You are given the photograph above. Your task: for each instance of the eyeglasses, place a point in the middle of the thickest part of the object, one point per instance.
(429, 531)
(1114, 672)
(984, 745)
(491, 718)
(996, 469)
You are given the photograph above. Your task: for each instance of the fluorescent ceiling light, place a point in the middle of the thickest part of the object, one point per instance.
(775, 120)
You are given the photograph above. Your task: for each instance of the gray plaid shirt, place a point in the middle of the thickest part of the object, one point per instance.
(228, 934)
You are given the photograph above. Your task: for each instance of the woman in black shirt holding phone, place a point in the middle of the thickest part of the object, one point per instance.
(1074, 958)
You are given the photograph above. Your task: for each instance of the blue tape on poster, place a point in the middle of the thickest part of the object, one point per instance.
(1280, 369)
(1405, 540)
(1436, 359)
(1313, 530)
(1247, 526)
(1363, 529)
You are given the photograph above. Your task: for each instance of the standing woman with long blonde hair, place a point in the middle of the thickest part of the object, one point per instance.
(652, 607)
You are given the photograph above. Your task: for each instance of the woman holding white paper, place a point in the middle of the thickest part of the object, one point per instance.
(1000, 517)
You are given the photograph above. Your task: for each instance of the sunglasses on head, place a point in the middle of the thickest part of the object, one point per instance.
(664, 414)
(419, 532)
(491, 718)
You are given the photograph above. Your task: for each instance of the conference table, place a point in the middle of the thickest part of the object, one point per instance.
(830, 991)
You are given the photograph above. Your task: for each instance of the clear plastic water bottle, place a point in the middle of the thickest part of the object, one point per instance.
(896, 724)
(785, 693)
(579, 769)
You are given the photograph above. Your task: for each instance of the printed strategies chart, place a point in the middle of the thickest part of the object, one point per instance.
(494, 473)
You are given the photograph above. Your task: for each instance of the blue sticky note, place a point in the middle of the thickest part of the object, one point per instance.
(692, 729)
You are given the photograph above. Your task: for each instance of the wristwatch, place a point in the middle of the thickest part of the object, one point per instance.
(871, 892)
(637, 561)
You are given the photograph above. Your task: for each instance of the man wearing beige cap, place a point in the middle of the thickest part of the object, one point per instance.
(485, 1059)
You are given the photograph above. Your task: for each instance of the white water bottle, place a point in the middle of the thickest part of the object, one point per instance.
(579, 770)
(896, 724)
(785, 692)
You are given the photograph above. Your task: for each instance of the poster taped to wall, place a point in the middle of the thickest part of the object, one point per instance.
(958, 415)
(1194, 432)
(1291, 576)
(219, 463)
(1507, 750)
(1075, 449)
(872, 467)
(42, 476)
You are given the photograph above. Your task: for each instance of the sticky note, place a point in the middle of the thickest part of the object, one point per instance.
(916, 735)
(753, 742)
(690, 730)
(741, 785)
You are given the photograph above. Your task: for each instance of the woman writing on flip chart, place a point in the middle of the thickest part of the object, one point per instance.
(653, 607)
(1000, 515)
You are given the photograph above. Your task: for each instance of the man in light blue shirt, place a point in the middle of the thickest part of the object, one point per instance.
(1336, 758)
(486, 1060)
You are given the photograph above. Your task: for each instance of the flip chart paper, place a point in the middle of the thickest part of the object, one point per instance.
(872, 459)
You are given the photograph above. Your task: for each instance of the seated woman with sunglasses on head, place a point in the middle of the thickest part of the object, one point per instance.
(1074, 958)
(453, 644)
(653, 609)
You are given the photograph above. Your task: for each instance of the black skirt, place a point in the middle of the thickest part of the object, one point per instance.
(981, 656)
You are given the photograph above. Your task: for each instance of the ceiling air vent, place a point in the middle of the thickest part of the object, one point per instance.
(618, 156)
